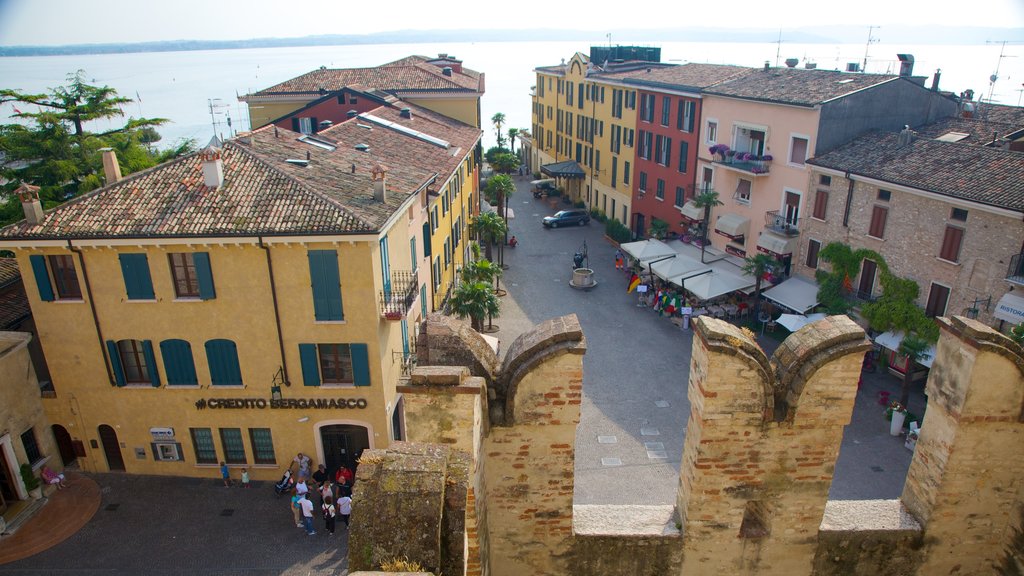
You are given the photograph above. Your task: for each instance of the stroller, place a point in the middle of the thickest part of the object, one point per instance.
(286, 484)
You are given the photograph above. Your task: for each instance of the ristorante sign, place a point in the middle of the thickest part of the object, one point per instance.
(283, 403)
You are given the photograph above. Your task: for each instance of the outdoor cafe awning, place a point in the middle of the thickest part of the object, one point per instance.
(566, 169)
(715, 284)
(674, 268)
(794, 293)
(691, 214)
(892, 340)
(1010, 308)
(646, 250)
(775, 245)
(542, 181)
(732, 226)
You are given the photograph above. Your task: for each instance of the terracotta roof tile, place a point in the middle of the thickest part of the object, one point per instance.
(410, 73)
(694, 75)
(975, 173)
(8, 271)
(980, 128)
(14, 305)
(798, 85)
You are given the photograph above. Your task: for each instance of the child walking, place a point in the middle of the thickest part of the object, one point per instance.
(225, 474)
(329, 513)
(245, 477)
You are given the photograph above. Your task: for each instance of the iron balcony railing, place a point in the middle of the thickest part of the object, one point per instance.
(756, 167)
(398, 298)
(1015, 273)
(778, 222)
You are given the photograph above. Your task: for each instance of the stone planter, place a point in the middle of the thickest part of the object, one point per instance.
(896, 426)
(36, 493)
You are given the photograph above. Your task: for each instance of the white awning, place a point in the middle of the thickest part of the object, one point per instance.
(794, 293)
(794, 322)
(674, 268)
(891, 340)
(732, 226)
(646, 250)
(542, 181)
(1010, 308)
(774, 245)
(691, 213)
(715, 284)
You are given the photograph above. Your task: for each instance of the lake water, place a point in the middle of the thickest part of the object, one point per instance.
(179, 85)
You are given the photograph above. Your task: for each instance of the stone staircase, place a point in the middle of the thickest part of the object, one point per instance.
(20, 517)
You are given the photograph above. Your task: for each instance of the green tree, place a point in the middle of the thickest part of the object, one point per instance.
(915, 349)
(475, 300)
(836, 285)
(482, 271)
(757, 265)
(493, 152)
(53, 148)
(499, 120)
(500, 187)
(1017, 334)
(488, 227)
(505, 163)
(896, 309)
(513, 133)
(706, 200)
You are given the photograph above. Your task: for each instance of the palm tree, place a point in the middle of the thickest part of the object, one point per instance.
(481, 271)
(707, 200)
(499, 120)
(501, 187)
(914, 348)
(513, 133)
(505, 163)
(475, 300)
(488, 227)
(756, 266)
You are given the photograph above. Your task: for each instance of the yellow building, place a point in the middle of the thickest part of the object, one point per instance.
(585, 114)
(250, 301)
(440, 84)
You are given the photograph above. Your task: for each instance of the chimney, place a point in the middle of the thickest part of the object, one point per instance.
(29, 196)
(906, 136)
(111, 169)
(853, 66)
(352, 113)
(447, 70)
(810, 65)
(906, 65)
(935, 79)
(767, 65)
(379, 175)
(213, 166)
(325, 124)
(406, 113)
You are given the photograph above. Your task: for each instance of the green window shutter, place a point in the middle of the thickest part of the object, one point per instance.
(222, 356)
(385, 267)
(115, 362)
(42, 277)
(137, 281)
(360, 364)
(426, 239)
(310, 364)
(205, 275)
(179, 366)
(423, 301)
(154, 374)
(326, 283)
(412, 252)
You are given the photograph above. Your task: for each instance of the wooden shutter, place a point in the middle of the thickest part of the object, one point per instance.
(295, 125)
(42, 277)
(204, 275)
(360, 364)
(878, 217)
(137, 282)
(426, 239)
(179, 366)
(310, 364)
(115, 363)
(951, 244)
(326, 284)
(222, 357)
(691, 108)
(315, 127)
(684, 156)
(812, 253)
(154, 373)
(820, 204)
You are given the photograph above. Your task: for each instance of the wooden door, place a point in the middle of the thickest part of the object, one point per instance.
(867, 279)
(64, 444)
(112, 449)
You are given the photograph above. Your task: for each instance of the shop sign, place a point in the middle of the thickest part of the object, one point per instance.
(281, 403)
(162, 434)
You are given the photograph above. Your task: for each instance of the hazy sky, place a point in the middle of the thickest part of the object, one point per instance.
(52, 22)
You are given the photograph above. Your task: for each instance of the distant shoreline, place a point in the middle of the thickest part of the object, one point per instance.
(819, 35)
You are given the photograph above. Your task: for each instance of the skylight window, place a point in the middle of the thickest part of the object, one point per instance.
(318, 143)
(406, 130)
(847, 81)
(952, 137)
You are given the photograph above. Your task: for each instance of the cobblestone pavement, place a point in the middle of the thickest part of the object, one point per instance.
(634, 411)
(164, 526)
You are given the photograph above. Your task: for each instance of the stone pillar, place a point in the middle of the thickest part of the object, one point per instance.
(445, 405)
(964, 484)
(761, 444)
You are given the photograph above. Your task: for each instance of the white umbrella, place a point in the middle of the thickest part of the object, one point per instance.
(715, 284)
(794, 322)
(672, 269)
(648, 250)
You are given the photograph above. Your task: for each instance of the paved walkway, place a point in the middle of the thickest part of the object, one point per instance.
(64, 514)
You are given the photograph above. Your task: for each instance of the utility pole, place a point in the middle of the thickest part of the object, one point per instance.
(778, 48)
(867, 48)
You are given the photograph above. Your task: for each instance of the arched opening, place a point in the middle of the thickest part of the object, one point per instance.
(111, 448)
(342, 444)
(64, 444)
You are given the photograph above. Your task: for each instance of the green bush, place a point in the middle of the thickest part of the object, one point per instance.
(580, 204)
(617, 231)
(29, 477)
(598, 215)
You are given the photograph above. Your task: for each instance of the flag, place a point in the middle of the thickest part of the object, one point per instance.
(633, 283)
(15, 109)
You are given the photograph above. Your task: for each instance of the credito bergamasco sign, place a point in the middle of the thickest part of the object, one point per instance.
(289, 403)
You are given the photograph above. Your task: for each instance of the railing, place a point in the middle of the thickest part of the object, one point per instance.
(395, 303)
(776, 221)
(1015, 272)
(756, 165)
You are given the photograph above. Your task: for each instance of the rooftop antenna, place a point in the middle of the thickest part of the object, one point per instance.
(217, 108)
(778, 48)
(995, 75)
(867, 48)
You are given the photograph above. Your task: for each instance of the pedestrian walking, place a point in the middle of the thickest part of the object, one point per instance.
(296, 509)
(301, 487)
(345, 474)
(245, 477)
(619, 261)
(302, 464)
(345, 509)
(225, 474)
(326, 491)
(307, 514)
(329, 513)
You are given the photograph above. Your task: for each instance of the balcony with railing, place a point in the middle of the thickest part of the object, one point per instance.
(1015, 272)
(743, 162)
(781, 223)
(397, 298)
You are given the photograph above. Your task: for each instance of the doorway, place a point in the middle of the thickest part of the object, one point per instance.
(7, 491)
(867, 279)
(343, 444)
(115, 462)
(638, 232)
(792, 208)
(64, 444)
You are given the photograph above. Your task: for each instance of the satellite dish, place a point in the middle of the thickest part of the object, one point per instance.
(993, 78)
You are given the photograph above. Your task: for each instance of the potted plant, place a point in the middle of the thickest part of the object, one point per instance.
(897, 414)
(32, 483)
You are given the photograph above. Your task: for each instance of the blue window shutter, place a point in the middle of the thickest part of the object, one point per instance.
(137, 282)
(222, 356)
(423, 301)
(385, 267)
(310, 364)
(179, 366)
(115, 362)
(360, 364)
(412, 252)
(323, 273)
(42, 277)
(205, 275)
(154, 374)
(405, 338)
